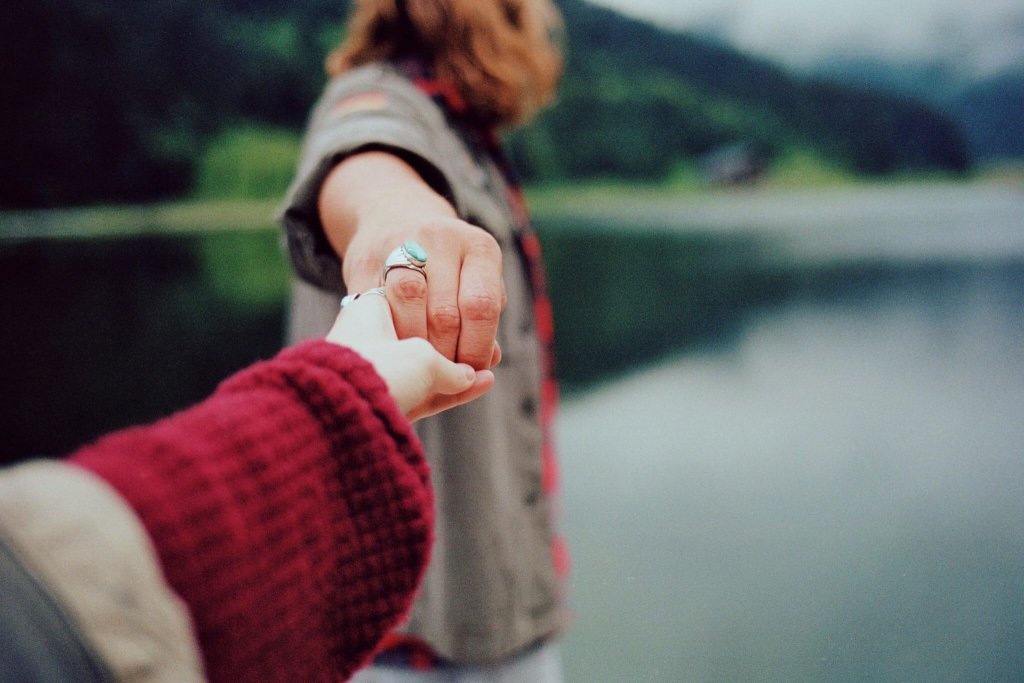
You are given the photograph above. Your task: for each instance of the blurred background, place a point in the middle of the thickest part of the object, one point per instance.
(792, 360)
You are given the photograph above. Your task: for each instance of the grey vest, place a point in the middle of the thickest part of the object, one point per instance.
(490, 590)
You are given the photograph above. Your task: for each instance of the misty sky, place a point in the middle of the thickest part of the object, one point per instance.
(983, 35)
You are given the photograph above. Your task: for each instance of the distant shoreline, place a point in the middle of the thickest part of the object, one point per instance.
(615, 201)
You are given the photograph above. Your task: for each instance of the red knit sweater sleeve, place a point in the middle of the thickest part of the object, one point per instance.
(291, 511)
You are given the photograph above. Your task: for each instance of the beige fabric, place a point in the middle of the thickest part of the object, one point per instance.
(78, 537)
(490, 589)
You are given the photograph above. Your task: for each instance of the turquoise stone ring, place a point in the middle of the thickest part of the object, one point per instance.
(416, 254)
(409, 255)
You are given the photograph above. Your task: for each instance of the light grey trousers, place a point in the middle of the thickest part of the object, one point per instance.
(539, 665)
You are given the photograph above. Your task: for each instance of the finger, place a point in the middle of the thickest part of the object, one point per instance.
(361, 272)
(450, 378)
(443, 318)
(407, 294)
(482, 383)
(366, 319)
(481, 300)
(495, 354)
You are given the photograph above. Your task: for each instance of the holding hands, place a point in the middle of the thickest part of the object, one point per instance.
(422, 381)
(454, 296)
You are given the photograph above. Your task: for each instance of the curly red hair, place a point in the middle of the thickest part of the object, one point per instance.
(503, 56)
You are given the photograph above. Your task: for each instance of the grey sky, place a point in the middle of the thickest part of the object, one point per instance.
(983, 35)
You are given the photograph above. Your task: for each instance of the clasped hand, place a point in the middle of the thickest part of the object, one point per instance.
(370, 204)
(421, 380)
(455, 304)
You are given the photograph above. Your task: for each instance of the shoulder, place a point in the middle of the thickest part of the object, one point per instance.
(379, 75)
(378, 87)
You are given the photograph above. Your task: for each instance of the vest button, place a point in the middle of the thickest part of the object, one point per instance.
(528, 406)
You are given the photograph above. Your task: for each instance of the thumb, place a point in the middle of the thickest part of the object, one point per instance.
(483, 380)
(450, 378)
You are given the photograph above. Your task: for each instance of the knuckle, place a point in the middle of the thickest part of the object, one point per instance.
(483, 244)
(410, 288)
(445, 319)
(481, 307)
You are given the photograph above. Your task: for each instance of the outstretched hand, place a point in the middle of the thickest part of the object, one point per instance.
(371, 203)
(422, 381)
(456, 307)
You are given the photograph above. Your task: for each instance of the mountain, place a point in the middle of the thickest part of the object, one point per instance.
(989, 110)
(638, 98)
(935, 82)
(116, 101)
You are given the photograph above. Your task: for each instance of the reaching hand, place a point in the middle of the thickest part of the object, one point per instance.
(422, 381)
(373, 202)
(456, 303)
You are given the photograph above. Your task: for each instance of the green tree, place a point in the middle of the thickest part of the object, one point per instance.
(107, 100)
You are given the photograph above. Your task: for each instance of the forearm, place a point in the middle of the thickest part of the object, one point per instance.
(375, 192)
(291, 511)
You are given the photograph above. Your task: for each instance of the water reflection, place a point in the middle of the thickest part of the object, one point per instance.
(623, 297)
(836, 494)
(825, 483)
(102, 333)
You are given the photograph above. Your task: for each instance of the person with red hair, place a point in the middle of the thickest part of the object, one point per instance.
(404, 146)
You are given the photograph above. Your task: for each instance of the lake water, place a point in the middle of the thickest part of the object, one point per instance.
(832, 492)
(792, 445)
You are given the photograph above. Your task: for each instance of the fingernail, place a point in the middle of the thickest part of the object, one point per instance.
(468, 373)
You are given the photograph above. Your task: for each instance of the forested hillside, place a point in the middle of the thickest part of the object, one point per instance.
(992, 112)
(115, 100)
(637, 98)
(988, 109)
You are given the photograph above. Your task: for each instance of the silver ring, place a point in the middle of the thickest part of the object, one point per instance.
(346, 300)
(409, 255)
